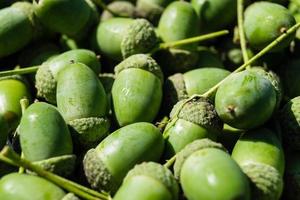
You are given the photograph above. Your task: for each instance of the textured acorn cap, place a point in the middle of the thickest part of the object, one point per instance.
(60, 165)
(158, 172)
(70, 196)
(199, 111)
(45, 84)
(189, 149)
(266, 181)
(89, 131)
(96, 172)
(290, 122)
(140, 61)
(140, 38)
(122, 8)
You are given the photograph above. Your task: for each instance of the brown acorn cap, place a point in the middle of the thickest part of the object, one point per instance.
(140, 61)
(70, 196)
(122, 8)
(140, 38)
(199, 111)
(60, 165)
(290, 122)
(266, 181)
(87, 132)
(45, 84)
(97, 174)
(158, 172)
(189, 149)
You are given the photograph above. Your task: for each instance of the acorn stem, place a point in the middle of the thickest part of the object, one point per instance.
(27, 70)
(9, 156)
(170, 162)
(105, 7)
(240, 11)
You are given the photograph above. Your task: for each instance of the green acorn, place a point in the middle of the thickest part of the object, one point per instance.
(260, 155)
(46, 76)
(3, 131)
(122, 8)
(212, 174)
(107, 164)
(137, 90)
(196, 119)
(83, 103)
(28, 187)
(290, 122)
(45, 139)
(147, 175)
(12, 90)
(273, 19)
(245, 100)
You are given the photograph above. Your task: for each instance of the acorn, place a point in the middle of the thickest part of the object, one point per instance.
(122, 8)
(137, 90)
(83, 103)
(196, 119)
(290, 123)
(18, 186)
(45, 139)
(12, 90)
(3, 131)
(147, 175)
(107, 164)
(245, 100)
(46, 76)
(211, 174)
(260, 155)
(274, 20)
(197, 81)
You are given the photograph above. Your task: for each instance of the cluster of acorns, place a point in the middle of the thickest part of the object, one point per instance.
(112, 95)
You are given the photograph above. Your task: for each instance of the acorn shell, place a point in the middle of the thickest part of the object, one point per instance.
(107, 164)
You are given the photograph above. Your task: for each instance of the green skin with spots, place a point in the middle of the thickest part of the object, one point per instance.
(28, 187)
(3, 131)
(128, 146)
(80, 93)
(137, 188)
(109, 36)
(178, 21)
(245, 100)
(11, 92)
(44, 133)
(209, 12)
(184, 132)
(66, 17)
(16, 30)
(259, 146)
(273, 20)
(137, 95)
(211, 174)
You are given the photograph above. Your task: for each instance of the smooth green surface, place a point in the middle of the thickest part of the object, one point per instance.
(44, 133)
(11, 92)
(80, 93)
(137, 95)
(16, 30)
(109, 36)
(245, 100)
(273, 20)
(142, 188)
(211, 174)
(261, 146)
(178, 21)
(184, 132)
(128, 146)
(28, 187)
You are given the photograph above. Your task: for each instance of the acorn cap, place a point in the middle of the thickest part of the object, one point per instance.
(122, 8)
(266, 180)
(199, 111)
(290, 122)
(60, 165)
(141, 61)
(158, 172)
(140, 38)
(96, 172)
(89, 131)
(174, 91)
(193, 147)
(70, 196)
(45, 84)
